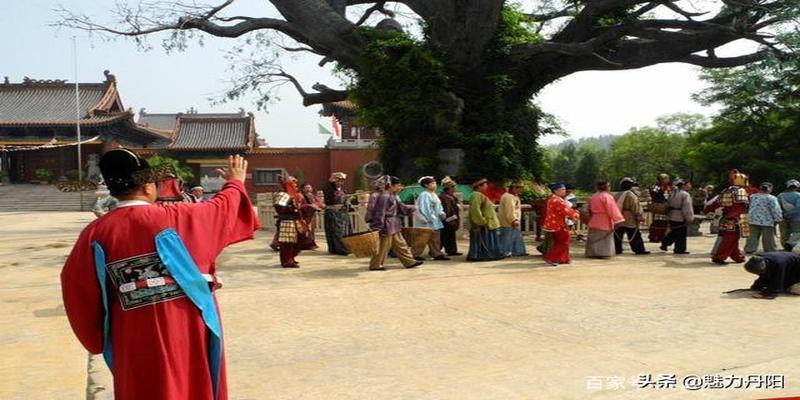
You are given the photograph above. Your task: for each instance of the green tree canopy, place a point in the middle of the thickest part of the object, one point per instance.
(758, 127)
(643, 153)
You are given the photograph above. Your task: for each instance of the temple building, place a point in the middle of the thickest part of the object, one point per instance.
(38, 130)
(39, 120)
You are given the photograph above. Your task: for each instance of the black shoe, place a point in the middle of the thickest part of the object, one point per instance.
(720, 262)
(663, 247)
(441, 258)
(419, 258)
(416, 264)
(642, 253)
(682, 252)
(456, 254)
(292, 265)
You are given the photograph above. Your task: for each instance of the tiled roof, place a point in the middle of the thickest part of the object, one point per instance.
(164, 122)
(213, 133)
(46, 103)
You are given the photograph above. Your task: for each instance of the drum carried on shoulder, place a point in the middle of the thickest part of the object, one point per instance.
(362, 244)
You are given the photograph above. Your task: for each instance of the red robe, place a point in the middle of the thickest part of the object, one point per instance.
(558, 210)
(159, 346)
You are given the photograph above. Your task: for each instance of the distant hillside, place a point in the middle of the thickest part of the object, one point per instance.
(603, 142)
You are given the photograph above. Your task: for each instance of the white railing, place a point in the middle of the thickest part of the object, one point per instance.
(530, 219)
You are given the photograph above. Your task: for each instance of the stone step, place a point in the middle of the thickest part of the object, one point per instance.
(26, 197)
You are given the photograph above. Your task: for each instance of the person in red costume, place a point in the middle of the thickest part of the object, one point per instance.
(291, 206)
(659, 194)
(139, 285)
(733, 223)
(558, 211)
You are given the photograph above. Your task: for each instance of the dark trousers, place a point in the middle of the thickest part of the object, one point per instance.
(634, 237)
(288, 253)
(449, 240)
(676, 236)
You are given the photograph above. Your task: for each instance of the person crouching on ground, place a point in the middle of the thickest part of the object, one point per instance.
(557, 212)
(383, 218)
(430, 214)
(778, 272)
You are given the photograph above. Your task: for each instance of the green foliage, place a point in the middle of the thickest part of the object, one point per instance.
(72, 175)
(643, 153)
(403, 87)
(514, 28)
(43, 175)
(588, 171)
(360, 179)
(757, 129)
(682, 123)
(299, 175)
(532, 191)
(184, 173)
(3, 174)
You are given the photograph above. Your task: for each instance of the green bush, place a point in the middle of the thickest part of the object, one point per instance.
(184, 173)
(43, 175)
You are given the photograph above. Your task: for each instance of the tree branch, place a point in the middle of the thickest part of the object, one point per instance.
(324, 94)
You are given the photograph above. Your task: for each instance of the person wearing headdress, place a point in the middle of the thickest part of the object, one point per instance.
(680, 214)
(383, 217)
(196, 194)
(510, 215)
(337, 217)
(603, 216)
(452, 213)
(658, 208)
(557, 212)
(778, 272)
(290, 206)
(139, 285)
(169, 189)
(763, 214)
(790, 204)
(484, 233)
(733, 224)
(430, 214)
(631, 209)
(309, 214)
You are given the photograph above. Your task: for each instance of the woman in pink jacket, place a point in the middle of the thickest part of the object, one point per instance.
(604, 214)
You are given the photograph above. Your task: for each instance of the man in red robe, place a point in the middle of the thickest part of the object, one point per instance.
(555, 222)
(139, 284)
(734, 202)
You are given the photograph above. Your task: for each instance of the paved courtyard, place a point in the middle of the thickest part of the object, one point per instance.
(449, 330)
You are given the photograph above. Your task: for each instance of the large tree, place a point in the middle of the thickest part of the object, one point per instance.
(757, 129)
(468, 79)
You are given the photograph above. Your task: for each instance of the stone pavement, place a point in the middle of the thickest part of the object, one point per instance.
(513, 329)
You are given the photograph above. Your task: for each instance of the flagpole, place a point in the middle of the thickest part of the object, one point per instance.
(78, 117)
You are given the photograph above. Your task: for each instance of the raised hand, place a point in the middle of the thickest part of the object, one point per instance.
(237, 169)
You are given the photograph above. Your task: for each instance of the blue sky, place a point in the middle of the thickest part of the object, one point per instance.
(588, 103)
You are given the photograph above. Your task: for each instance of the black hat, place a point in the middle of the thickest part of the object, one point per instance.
(123, 170)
